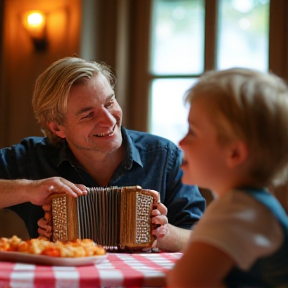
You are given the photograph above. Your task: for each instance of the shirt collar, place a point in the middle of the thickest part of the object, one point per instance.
(64, 154)
(132, 153)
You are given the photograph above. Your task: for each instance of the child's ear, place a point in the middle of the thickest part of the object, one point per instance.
(56, 129)
(238, 154)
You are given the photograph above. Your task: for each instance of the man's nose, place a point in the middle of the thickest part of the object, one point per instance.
(105, 116)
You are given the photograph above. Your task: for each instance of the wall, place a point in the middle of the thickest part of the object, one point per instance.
(20, 66)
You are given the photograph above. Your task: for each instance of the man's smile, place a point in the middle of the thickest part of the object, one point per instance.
(109, 133)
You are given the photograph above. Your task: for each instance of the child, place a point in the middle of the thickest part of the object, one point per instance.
(237, 145)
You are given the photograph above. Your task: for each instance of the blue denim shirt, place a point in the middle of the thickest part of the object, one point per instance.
(151, 162)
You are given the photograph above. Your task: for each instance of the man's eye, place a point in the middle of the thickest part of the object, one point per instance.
(110, 104)
(90, 115)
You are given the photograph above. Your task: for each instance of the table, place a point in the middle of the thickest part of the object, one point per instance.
(117, 270)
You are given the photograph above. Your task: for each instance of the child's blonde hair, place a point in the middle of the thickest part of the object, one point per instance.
(251, 106)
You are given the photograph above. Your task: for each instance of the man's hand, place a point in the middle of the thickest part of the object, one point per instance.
(38, 191)
(168, 237)
(159, 220)
(45, 226)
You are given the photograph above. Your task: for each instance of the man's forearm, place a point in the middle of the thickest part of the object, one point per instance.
(12, 192)
(175, 240)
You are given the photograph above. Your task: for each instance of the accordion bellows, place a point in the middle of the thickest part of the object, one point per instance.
(114, 217)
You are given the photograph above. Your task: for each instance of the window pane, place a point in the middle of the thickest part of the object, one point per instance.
(177, 37)
(168, 113)
(243, 34)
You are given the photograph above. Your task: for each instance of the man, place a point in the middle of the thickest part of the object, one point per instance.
(74, 102)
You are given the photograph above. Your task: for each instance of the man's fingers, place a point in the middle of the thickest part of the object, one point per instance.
(155, 212)
(44, 224)
(82, 188)
(41, 190)
(161, 219)
(73, 189)
(47, 216)
(160, 231)
(162, 208)
(62, 185)
(44, 230)
(44, 233)
(46, 207)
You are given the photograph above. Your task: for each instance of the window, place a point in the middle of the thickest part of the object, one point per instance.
(177, 57)
(174, 41)
(177, 52)
(243, 34)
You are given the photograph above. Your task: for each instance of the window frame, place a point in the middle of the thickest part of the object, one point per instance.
(139, 78)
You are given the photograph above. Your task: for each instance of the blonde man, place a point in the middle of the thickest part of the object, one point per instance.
(75, 104)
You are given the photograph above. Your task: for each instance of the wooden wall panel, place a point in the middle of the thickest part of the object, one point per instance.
(21, 64)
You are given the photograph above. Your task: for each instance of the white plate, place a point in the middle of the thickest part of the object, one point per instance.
(48, 260)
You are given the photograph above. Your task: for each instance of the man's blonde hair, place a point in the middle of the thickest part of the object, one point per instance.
(53, 86)
(251, 106)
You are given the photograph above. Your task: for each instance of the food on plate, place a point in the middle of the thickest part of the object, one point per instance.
(40, 246)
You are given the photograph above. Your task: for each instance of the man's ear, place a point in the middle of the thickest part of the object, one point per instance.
(238, 154)
(56, 129)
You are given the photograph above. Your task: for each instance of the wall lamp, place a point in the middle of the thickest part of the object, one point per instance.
(35, 24)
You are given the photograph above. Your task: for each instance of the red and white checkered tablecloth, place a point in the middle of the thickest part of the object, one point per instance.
(117, 270)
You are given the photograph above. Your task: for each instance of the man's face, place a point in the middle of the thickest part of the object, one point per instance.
(93, 117)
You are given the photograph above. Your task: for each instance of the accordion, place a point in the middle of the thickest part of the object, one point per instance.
(113, 217)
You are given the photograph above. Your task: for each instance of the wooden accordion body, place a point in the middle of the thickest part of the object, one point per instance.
(114, 217)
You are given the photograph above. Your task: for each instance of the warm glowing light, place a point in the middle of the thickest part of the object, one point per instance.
(35, 19)
(35, 24)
